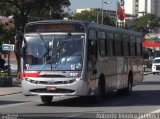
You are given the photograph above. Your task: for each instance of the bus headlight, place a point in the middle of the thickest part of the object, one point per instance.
(154, 67)
(78, 78)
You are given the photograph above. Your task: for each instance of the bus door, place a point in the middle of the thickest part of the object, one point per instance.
(92, 59)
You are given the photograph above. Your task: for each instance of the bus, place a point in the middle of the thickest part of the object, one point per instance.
(79, 58)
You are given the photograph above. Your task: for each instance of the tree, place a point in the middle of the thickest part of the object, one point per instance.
(149, 21)
(93, 16)
(6, 33)
(24, 11)
(85, 15)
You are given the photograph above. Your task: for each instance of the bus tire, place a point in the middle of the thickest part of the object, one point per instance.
(128, 90)
(101, 89)
(46, 99)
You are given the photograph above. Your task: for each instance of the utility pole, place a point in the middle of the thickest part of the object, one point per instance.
(102, 9)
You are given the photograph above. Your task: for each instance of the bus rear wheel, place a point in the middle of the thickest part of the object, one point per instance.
(46, 99)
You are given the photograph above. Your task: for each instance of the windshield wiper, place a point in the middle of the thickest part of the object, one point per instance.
(61, 45)
(42, 39)
(63, 41)
(45, 45)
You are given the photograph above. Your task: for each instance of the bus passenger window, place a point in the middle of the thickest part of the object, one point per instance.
(132, 46)
(101, 39)
(92, 52)
(110, 44)
(125, 45)
(92, 49)
(118, 47)
(138, 46)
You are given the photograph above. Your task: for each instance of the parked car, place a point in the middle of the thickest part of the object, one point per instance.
(156, 65)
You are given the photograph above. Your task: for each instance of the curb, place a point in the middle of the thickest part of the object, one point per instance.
(147, 73)
(10, 93)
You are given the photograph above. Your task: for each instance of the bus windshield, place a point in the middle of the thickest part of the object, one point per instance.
(53, 51)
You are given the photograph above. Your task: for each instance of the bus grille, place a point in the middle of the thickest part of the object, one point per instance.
(44, 90)
(54, 83)
(157, 67)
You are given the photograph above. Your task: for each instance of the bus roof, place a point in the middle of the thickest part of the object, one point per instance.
(88, 24)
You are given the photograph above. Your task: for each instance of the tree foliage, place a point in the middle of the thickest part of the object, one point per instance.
(6, 33)
(93, 16)
(85, 15)
(24, 11)
(143, 23)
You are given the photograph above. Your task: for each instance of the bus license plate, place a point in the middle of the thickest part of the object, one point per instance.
(50, 88)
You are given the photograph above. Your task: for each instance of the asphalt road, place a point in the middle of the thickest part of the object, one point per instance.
(143, 103)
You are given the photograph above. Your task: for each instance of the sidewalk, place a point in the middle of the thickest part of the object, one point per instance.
(147, 71)
(15, 89)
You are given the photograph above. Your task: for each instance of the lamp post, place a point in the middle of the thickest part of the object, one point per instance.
(102, 9)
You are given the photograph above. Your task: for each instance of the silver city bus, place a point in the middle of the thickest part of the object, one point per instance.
(79, 58)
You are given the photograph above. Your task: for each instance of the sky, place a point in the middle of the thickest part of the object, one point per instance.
(78, 4)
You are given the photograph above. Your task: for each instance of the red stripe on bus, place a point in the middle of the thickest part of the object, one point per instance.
(35, 74)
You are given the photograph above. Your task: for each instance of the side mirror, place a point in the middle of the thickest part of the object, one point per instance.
(19, 37)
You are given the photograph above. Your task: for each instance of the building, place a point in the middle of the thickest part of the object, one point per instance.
(141, 7)
(80, 10)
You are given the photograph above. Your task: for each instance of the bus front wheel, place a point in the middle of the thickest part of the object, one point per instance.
(101, 89)
(128, 90)
(46, 99)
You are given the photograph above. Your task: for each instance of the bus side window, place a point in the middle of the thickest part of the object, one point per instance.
(101, 40)
(138, 46)
(92, 48)
(132, 46)
(118, 46)
(110, 44)
(125, 45)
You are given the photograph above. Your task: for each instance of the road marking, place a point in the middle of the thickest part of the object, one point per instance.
(74, 115)
(155, 113)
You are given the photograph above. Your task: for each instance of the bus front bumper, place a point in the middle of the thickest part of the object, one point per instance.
(77, 88)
